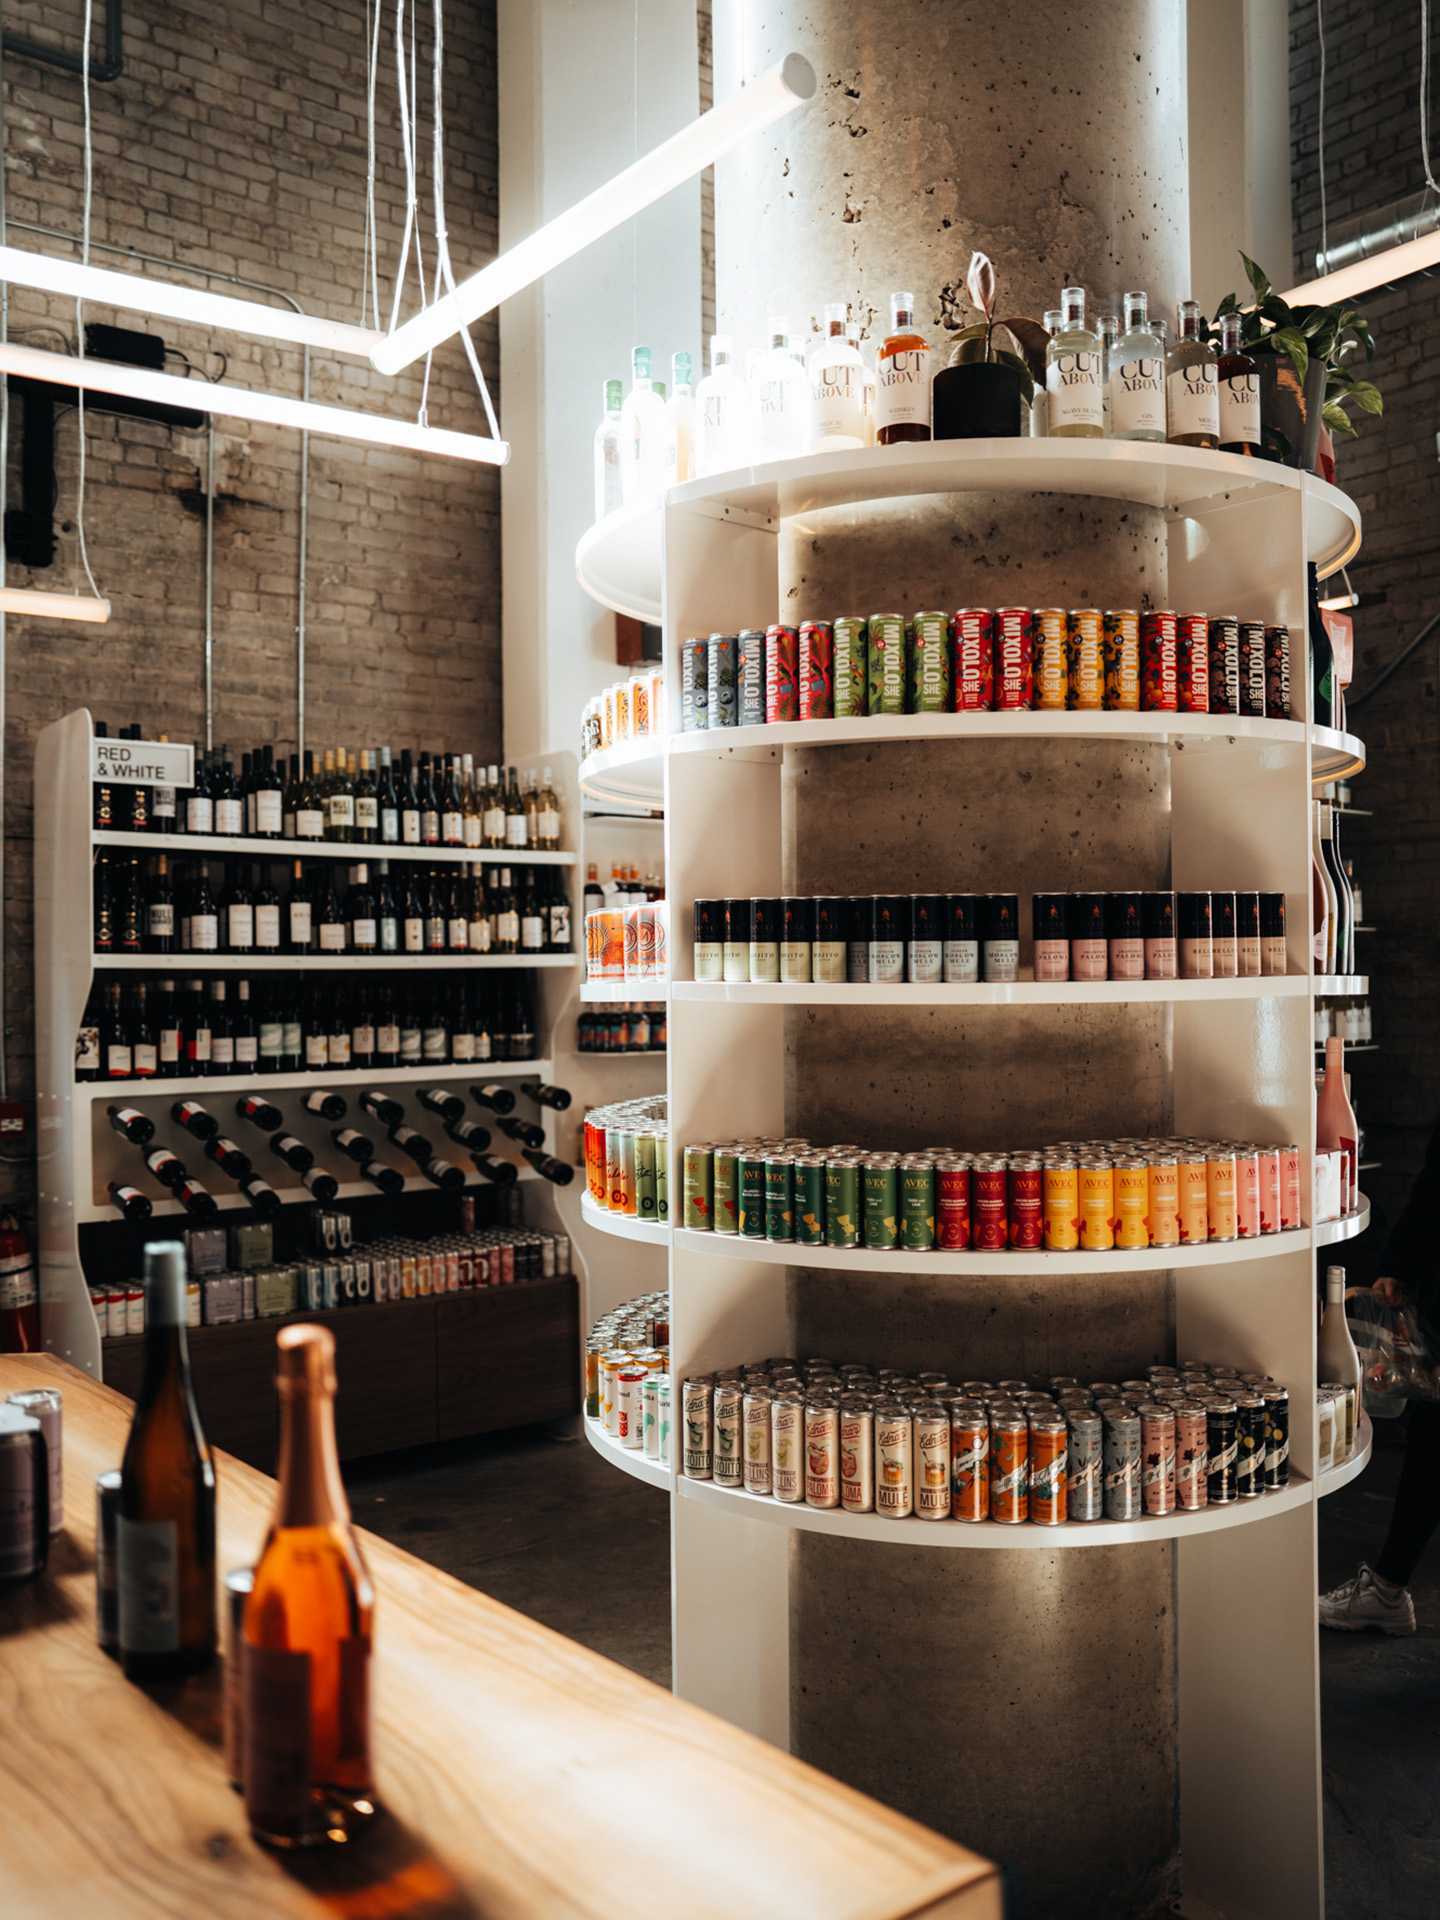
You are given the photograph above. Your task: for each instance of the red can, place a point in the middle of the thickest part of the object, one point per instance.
(1014, 660)
(1027, 1214)
(1289, 1188)
(972, 659)
(1269, 1189)
(990, 1225)
(1247, 1192)
(782, 673)
(1191, 1456)
(952, 1203)
(1158, 664)
(817, 670)
(1192, 663)
(1252, 668)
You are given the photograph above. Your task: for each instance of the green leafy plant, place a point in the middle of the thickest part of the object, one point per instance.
(1024, 340)
(1333, 335)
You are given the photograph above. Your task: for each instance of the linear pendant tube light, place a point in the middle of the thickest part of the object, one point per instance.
(762, 101)
(1363, 276)
(138, 293)
(270, 409)
(54, 606)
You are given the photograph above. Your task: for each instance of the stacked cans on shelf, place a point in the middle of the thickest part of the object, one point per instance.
(937, 1447)
(627, 1379)
(632, 709)
(627, 1159)
(1092, 1196)
(628, 943)
(986, 659)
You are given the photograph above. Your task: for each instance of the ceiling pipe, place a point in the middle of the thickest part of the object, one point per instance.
(110, 68)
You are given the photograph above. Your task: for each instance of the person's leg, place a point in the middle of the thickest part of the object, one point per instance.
(1416, 1512)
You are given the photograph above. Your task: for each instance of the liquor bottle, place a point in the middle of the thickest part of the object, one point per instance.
(780, 398)
(354, 1145)
(388, 1179)
(329, 1106)
(381, 1107)
(88, 1056)
(868, 382)
(322, 1186)
(1344, 942)
(1335, 1124)
(296, 1155)
(1074, 382)
(493, 814)
(1239, 391)
(163, 808)
(160, 909)
(309, 804)
(607, 450)
(361, 931)
(259, 1112)
(1192, 391)
(387, 805)
(329, 915)
(546, 1096)
(167, 1167)
(292, 1033)
(245, 1031)
(190, 1115)
(837, 379)
(468, 1134)
(228, 1157)
(128, 1201)
(104, 906)
(238, 909)
(559, 1172)
(428, 801)
(1107, 325)
(525, 1131)
(904, 371)
(267, 798)
(165, 1531)
(642, 436)
(229, 808)
(262, 1196)
(516, 827)
(501, 1173)
(169, 1032)
(340, 802)
(144, 1049)
(102, 795)
(367, 801)
(1322, 890)
(130, 910)
(362, 1028)
(531, 915)
(132, 1125)
(496, 1099)
(266, 900)
(679, 421)
(457, 912)
(1337, 1360)
(1135, 375)
(407, 803)
(199, 801)
(450, 1106)
(387, 917)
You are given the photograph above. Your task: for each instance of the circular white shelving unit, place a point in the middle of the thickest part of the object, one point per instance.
(617, 562)
(989, 993)
(610, 993)
(1330, 1233)
(991, 1534)
(621, 1226)
(1339, 986)
(892, 1260)
(1143, 729)
(326, 962)
(1335, 755)
(629, 1459)
(1352, 1468)
(632, 773)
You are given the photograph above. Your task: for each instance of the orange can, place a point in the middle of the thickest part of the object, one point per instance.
(1051, 644)
(1269, 1159)
(1247, 1192)
(1009, 1468)
(1060, 1200)
(1087, 659)
(1162, 1213)
(1097, 1203)
(595, 1162)
(1132, 1202)
(1122, 660)
(969, 1463)
(1049, 1454)
(1194, 1197)
(610, 944)
(1220, 1193)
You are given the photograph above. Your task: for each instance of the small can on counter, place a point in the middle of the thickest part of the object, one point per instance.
(782, 673)
(817, 670)
(1159, 661)
(849, 639)
(1122, 660)
(972, 659)
(44, 1404)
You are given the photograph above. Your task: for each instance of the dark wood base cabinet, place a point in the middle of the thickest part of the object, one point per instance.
(410, 1373)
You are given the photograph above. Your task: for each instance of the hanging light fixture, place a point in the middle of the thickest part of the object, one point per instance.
(54, 606)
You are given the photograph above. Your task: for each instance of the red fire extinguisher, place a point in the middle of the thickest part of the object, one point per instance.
(19, 1294)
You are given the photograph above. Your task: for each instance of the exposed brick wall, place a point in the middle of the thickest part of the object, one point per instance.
(1373, 157)
(235, 140)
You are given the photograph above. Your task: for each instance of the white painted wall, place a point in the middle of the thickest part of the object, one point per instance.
(1238, 57)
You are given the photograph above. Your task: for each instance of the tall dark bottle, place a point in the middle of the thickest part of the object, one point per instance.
(1324, 689)
(165, 1539)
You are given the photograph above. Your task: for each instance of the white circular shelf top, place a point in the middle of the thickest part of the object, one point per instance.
(789, 1253)
(988, 993)
(629, 1459)
(1339, 986)
(631, 773)
(1334, 755)
(655, 1233)
(1329, 1233)
(609, 993)
(618, 561)
(990, 1534)
(1351, 1469)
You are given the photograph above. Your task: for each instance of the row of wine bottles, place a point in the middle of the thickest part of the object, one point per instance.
(1333, 892)
(156, 906)
(430, 800)
(158, 1029)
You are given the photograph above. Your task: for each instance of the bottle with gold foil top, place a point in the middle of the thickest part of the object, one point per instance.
(308, 1627)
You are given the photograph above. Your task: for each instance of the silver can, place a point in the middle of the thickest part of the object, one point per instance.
(1085, 1497)
(822, 1454)
(664, 1401)
(787, 1447)
(758, 1477)
(1122, 1466)
(1157, 1444)
(697, 1397)
(931, 1434)
(894, 1462)
(857, 1459)
(43, 1404)
(728, 1462)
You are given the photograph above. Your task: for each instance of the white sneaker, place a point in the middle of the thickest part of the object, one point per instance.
(1358, 1604)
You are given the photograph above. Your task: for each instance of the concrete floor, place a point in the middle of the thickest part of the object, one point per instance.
(539, 1521)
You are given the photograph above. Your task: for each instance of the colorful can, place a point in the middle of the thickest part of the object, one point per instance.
(1096, 1174)
(917, 1203)
(697, 1398)
(817, 670)
(721, 691)
(1268, 1159)
(699, 1175)
(1085, 1468)
(1159, 661)
(630, 1405)
(757, 1439)
(969, 1462)
(725, 1189)
(810, 1199)
(1060, 1184)
(929, 676)
(932, 1461)
(1122, 1466)
(1162, 1200)
(885, 652)
(1157, 1448)
(1220, 1193)
(822, 1455)
(787, 1447)
(1247, 1192)
(1190, 1455)
(989, 1203)
(694, 686)
(645, 1176)
(1192, 663)
(1290, 1216)
(1087, 659)
(779, 1196)
(894, 1462)
(1014, 660)
(1277, 673)
(1049, 1460)
(650, 1402)
(972, 659)
(1221, 1427)
(1132, 1201)
(843, 1202)
(1250, 1431)
(782, 673)
(1277, 1437)
(1025, 1205)
(849, 636)
(857, 1459)
(1009, 1468)
(1194, 1173)
(1252, 668)
(880, 1187)
(1050, 644)
(665, 1397)
(624, 1199)
(1122, 660)
(952, 1202)
(1225, 664)
(750, 675)
(752, 1193)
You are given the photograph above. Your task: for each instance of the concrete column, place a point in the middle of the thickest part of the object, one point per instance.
(1023, 1701)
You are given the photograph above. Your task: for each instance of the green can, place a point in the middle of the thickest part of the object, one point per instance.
(842, 1201)
(699, 1188)
(662, 1177)
(727, 1189)
(780, 1196)
(645, 1176)
(930, 663)
(885, 649)
(852, 668)
(880, 1186)
(752, 1193)
(810, 1199)
(917, 1203)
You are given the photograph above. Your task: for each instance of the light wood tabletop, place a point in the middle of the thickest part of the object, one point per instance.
(523, 1777)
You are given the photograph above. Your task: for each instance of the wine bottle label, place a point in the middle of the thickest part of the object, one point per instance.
(1240, 410)
(362, 1041)
(839, 402)
(17, 1282)
(240, 926)
(479, 935)
(247, 1049)
(414, 936)
(300, 923)
(267, 929)
(494, 819)
(272, 1039)
(162, 807)
(146, 1058)
(170, 1046)
(389, 933)
(275, 1716)
(410, 1044)
(507, 927)
(389, 825)
(1193, 397)
(362, 933)
(435, 933)
(453, 828)
(430, 826)
(457, 936)
(1137, 396)
(87, 1050)
(147, 1576)
(435, 1045)
(1072, 382)
(222, 1050)
(367, 812)
(204, 932)
(160, 919)
(532, 933)
(292, 1043)
(515, 830)
(462, 1047)
(201, 1047)
(317, 1050)
(474, 830)
(483, 1048)
(332, 936)
(118, 1059)
(269, 810)
(229, 816)
(387, 1039)
(410, 826)
(549, 824)
(199, 814)
(340, 1049)
(340, 809)
(309, 823)
(903, 394)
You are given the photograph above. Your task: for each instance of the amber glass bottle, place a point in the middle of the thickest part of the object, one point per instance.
(305, 1682)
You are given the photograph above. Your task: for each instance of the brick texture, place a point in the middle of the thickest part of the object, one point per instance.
(1372, 158)
(235, 141)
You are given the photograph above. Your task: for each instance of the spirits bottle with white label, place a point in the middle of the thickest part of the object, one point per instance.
(722, 412)
(1192, 385)
(1239, 391)
(1135, 376)
(607, 451)
(1074, 376)
(780, 398)
(680, 421)
(642, 437)
(837, 387)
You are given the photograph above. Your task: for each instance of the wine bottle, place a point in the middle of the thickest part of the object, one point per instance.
(134, 1126)
(262, 1197)
(259, 1112)
(407, 803)
(296, 1155)
(353, 1144)
(222, 1034)
(193, 1117)
(197, 1201)
(323, 1186)
(160, 909)
(1322, 899)
(266, 897)
(549, 1168)
(1335, 1125)
(128, 1201)
(308, 1626)
(442, 1173)
(498, 1099)
(382, 1108)
(413, 1143)
(228, 1157)
(1322, 659)
(450, 1106)
(385, 802)
(467, 1134)
(167, 1167)
(1345, 906)
(525, 1131)
(87, 1041)
(1338, 1361)
(199, 802)
(329, 1106)
(503, 1173)
(165, 1533)
(388, 1179)
(543, 1096)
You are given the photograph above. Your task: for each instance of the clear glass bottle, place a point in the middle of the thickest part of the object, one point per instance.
(1337, 1360)
(869, 382)
(722, 409)
(1039, 399)
(680, 421)
(1135, 375)
(780, 398)
(904, 371)
(1107, 325)
(1192, 390)
(642, 438)
(1239, 391)
(1073, 375)
(837, 387)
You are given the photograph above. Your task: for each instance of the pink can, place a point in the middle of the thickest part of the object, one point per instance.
(1269, 1158)
(1247, 1193)
(1157, 1459)
(990, 1222)
(1191, 1457)
(1289, 1189)
(1014, 660)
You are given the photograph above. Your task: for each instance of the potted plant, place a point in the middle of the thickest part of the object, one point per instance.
(989, 379)
(1305, 355)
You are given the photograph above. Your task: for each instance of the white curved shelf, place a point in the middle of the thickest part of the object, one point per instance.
(988, 993)
(789, 1253)
(1339, 986)
(1352, 1468)
(1190, 729)
(1329, 1233)
(655, 1233)
(1334, 755)
(629, 1459)
(609, 993)
(618, 560)
(990, 1534)
(352, 850)
(631, 773)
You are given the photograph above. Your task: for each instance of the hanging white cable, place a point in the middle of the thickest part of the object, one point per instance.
(442, 238)
(1320, 137)
(79, 305)
(415, 147)
(370, 267)
(1430, 180)
(407, 148)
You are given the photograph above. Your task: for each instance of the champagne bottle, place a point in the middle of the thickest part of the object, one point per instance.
(308, 1626)
(165, 1537)
(1338, 1361)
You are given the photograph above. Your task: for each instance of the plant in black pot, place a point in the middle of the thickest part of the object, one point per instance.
(1305, 356)
(986, 386)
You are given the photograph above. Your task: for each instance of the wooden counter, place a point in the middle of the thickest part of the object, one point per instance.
(524, 1778)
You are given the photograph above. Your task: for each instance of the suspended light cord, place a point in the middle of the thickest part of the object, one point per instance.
(407, 148)
(442, 238)
(370, 267)
(1320, 137)
(1430, 180)
(88, 207)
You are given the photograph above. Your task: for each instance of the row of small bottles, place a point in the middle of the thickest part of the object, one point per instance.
(442, 800)
(636, 1027)
(139, 1030)
(1118, 377)
(359, 1149)
(1350, 1019)
(159, 906)
(1335, 897)
(624, 888)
